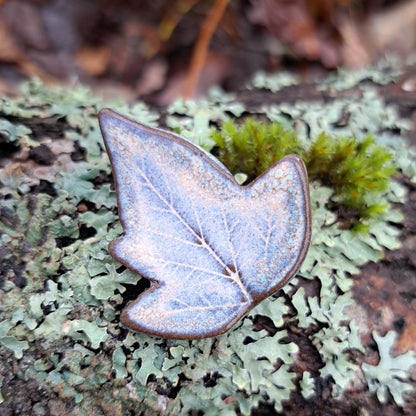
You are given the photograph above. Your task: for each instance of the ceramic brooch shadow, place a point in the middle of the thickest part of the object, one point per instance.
(213, 249)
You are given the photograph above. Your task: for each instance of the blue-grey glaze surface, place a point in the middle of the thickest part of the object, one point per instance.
(213, 249)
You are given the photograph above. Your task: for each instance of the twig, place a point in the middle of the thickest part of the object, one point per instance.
(200, 52)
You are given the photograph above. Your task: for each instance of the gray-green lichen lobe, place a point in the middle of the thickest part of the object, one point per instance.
(61, 293)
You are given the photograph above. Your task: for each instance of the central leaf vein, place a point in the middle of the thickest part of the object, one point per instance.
(232, 275)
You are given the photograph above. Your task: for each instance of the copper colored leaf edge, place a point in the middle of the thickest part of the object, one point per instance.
(131, 147)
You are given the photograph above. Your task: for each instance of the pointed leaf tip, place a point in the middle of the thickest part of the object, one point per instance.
(212, 249)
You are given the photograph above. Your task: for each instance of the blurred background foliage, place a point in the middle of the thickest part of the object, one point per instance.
(158, 50)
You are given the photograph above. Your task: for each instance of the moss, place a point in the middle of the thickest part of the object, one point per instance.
(359, 171)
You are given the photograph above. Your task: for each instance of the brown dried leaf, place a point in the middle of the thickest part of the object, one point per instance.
(93, 61)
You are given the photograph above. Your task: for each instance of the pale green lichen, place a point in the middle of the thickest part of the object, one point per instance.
(14, 132)
(274, 82)
(307, 385)
(191, 118)
(383, 72)
(1, 384)
(391, 374)
(63, 320)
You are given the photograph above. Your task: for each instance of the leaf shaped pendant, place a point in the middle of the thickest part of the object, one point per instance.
(212, 249)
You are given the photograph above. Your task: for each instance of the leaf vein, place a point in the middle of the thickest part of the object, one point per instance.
(192, 231)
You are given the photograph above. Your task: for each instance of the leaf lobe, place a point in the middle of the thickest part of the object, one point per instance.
(213, 249)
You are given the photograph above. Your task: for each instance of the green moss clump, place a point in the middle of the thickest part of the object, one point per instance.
(359, 171)
(254, 146)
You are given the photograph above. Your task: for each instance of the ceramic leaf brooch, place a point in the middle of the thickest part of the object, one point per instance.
(212, 249)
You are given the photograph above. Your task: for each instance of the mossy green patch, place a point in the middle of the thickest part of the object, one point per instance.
(359, 171)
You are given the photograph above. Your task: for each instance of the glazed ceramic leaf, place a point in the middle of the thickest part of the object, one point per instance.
(213, 249)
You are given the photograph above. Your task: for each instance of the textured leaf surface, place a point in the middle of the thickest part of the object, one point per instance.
(213, 249)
